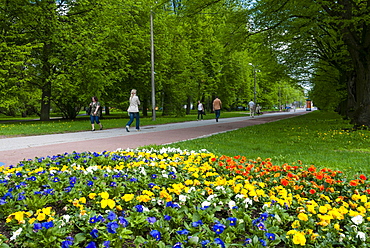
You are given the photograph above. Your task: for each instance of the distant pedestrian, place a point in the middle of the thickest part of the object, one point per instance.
(200, 110)
(217, 105)
(133, 111)
(258, 109)
(252, 107)
(95, 113)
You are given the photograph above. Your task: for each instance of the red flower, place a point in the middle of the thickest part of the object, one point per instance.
(312, 191)
(320, 177)
(353, 183)
(284, 182)
(362, 177)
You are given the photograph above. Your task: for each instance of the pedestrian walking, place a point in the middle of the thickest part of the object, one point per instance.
(252, 107)
(217, 105)
(133, 111)
(258, 109)
(95, 113)
(200, 110)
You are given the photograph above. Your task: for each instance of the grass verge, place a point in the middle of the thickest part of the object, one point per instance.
(319, 138)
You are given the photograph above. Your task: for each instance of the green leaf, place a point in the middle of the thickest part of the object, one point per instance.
(80, 237)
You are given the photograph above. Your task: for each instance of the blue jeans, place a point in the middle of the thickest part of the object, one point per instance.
(134, 115)
(94, 118)
(218, 112)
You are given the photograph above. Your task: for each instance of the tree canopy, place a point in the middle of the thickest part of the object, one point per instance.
(56, 55)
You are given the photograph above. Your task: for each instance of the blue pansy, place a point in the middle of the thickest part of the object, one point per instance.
(91, 245)
(112, 226)
(167, 217)
(123, 221)
(112, 216)
(139, 208)
(183, 232)
(177, 245)
(48, 224)
(204, 243)
(37, 226)
(247, 241)
(232, 221)
(155, 234)
(106, 244)
(263, 242)
(151, 220)
(94, 233)
(270, 236)
(219, 241)
(197, 223)
(218, 228)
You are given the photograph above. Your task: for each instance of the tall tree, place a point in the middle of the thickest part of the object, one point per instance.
(344, 25)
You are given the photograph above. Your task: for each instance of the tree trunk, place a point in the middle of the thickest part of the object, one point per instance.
(45, 102)
(362, 108)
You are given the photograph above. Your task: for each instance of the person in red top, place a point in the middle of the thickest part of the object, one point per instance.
(217, 105)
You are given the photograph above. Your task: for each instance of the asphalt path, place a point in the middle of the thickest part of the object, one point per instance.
(17, 149)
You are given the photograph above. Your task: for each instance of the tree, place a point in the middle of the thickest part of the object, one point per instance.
(330, 30)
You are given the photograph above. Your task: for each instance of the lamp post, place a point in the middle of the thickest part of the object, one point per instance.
(152, 62)
(254, 71)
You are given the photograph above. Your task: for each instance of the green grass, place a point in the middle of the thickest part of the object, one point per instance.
(316, 138)
(10, 127)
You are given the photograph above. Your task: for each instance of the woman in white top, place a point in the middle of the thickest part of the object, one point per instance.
(133, 111)
(200, 110)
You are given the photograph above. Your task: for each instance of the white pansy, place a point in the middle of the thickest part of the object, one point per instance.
(16, 234)
(145, 209)
(248, 201)
(231, 204)
(142, 170)
(206, 204)
(239, 196)
(341, 237)
(361, 236)
(91, 169)
(357, 219)
(220, 188)
(66, 217)
(182, 198)
(210, 198)
(191, 189)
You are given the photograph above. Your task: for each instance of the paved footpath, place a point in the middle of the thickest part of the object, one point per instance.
(14, 150)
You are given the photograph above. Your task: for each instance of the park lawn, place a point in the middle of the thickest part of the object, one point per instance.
(318, 138)
(82, 123)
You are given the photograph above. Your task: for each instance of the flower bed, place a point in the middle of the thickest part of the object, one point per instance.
(174, 198)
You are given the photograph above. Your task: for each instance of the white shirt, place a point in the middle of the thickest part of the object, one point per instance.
(200, 107)
(134, 104)
(251, 104)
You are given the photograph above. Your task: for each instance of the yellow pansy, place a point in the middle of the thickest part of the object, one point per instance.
(323, 209)
(299, 239)
(303, 216)
(296, 224)
(128, 197)
(143, 198)
(104, 195)
(107, 202)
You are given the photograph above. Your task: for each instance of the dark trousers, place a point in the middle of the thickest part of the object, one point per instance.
(134, 115)
(200, 113)
(218, 112)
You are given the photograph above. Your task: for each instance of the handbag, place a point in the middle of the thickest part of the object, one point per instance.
(88, 110)
(204, 112)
